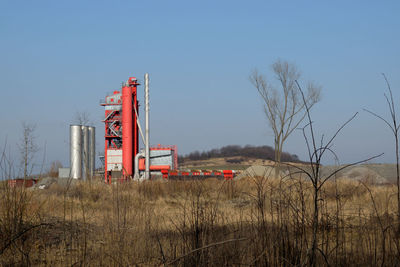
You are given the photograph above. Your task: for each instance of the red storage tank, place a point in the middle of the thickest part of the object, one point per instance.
(130, 137)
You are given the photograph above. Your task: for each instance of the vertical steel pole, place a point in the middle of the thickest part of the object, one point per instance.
(147, 144)
(135, 118)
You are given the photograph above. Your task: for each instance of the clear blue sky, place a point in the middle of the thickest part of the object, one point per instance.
(60, 57)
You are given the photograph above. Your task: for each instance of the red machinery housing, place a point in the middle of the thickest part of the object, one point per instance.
(161, 158)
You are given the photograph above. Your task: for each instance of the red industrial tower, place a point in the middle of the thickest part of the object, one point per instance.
(121, 131)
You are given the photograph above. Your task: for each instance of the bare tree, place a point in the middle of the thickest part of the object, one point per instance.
(82, 118)
(6, 164)
(53, 170)
(283, 105)
(394, 127)
(316, 153)
(27, 147)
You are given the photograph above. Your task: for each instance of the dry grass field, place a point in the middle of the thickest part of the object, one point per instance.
(255, 221)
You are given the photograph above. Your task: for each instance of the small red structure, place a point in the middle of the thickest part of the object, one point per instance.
(20, 182)
(195, 174)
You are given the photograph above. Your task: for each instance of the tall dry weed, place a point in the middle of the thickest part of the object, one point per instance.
(256, 221)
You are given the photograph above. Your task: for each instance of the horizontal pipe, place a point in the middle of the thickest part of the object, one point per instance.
(157, 167)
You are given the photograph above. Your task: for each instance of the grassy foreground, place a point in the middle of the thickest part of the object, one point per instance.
(250, 222)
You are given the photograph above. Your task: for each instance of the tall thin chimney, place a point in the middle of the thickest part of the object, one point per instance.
(147, 144)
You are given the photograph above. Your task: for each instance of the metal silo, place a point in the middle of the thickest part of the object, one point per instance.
(85, 150)
(75, 133)
(92, 150)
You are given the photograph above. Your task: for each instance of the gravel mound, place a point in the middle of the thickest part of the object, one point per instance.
(46, 182)
(357, 173)
(364, 174)
(257, 170)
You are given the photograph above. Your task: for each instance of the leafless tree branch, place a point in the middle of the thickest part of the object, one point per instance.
(285, 109)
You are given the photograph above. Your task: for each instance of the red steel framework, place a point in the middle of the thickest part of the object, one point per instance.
(121, 130)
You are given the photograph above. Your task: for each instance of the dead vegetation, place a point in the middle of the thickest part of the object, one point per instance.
(255, 221)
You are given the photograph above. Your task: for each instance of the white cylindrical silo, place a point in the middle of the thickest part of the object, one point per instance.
(92, 150)
(75, 133)
(85, 152)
